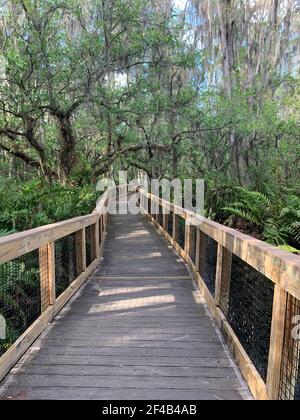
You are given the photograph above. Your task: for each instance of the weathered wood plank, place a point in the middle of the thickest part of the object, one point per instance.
(47, 275)
(107, 394)
(128, 382)
(139, 326)
(140, 371)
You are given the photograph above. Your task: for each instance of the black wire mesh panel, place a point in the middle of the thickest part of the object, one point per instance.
(138, 198)
(290, 366)
(20, 297)
(250, 311)
(193, 239)
(225, 283)
(160, 217)
(155, 210)
(170, 223)
(181, 232)
(90, 244)
(208, 271)
(65, 263)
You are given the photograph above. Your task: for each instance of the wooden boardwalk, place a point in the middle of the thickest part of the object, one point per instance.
(137, 330)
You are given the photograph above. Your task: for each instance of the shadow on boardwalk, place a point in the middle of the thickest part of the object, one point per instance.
(137, 330)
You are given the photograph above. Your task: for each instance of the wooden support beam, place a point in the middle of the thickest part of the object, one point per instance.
(175, 227)
(102, 225)
(100, 229)
(97, 240)
(276, 342)
(165, 222)
(197, 261)
(187, 237)
(47, 275)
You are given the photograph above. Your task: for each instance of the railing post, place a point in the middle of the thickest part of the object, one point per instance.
(276, 342)
(80, 251)
(102, 226)
(175, 227)
(47, 275)
(165, 221)
(100, 229)
(97, 241)
(197, 260)
(187, 237)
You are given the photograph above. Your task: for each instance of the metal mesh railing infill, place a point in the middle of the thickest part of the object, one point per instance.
(290, 365)
(20, 297)
(160, 217)
(193, 239)
(90, 244)
(181, 232)
(170, 223)
(65, 263)
(209, 267)
(250, 311)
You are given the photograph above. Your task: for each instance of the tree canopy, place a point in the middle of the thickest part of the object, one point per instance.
(199, 89)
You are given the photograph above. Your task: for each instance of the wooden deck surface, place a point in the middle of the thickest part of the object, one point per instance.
(137, 330)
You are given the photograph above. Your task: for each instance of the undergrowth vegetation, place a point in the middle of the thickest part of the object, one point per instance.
(272, 215)
(26, 205)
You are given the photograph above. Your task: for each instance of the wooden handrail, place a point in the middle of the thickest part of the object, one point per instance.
(43, 239)
(281, 267)
(17, 244)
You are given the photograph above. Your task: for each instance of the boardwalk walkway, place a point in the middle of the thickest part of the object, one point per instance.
(137, 330)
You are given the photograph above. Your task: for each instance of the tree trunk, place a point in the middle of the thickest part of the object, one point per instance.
(67, 156)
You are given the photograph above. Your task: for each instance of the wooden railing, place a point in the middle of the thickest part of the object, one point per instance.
(252, 290)
(59, 258)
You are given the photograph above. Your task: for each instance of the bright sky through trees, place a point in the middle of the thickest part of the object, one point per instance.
(180, 4)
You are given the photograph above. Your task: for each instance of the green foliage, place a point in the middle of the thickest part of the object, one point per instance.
(23, 206)
(250, 206)
(19, 297)
(34, 203)
(274, 216)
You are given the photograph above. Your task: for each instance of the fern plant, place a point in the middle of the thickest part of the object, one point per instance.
(290, 216)
(275, 216)
(250, 206)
